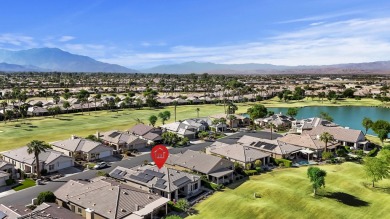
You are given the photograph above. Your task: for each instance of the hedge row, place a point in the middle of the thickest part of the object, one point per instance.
(286, 163)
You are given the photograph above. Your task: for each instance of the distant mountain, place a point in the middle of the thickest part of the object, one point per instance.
(380, 67)
(58, 60)
(202, 67)
(5, 67)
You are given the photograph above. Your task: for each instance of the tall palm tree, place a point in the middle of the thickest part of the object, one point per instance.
(197, 111)
(175, 105)
(36, 147)
(271, 127)
(4, 104)
(326, 137)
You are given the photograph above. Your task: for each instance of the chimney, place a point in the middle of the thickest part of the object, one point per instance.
(89, 213)
(72, 137)
(137, 207)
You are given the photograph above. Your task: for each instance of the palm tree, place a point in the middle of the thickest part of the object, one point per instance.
(36, 147)
(231, 118)
(326, 137)
(197, 111)
(367, 124)
(271, 127)
(4, 105)
(175, 105)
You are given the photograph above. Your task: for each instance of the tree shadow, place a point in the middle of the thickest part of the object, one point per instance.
(237, 183)
(33, 126)
(346, 199)
(64, 119)
(28, 130)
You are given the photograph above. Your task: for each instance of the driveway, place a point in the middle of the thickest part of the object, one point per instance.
(110, 159)
(69, 171)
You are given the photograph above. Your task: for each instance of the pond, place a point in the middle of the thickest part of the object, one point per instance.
(347, 116)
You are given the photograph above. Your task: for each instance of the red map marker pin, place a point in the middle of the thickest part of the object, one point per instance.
(159, 155)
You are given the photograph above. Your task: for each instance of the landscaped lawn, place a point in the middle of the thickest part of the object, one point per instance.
(24, 185)
(287, 193)
(275, 102)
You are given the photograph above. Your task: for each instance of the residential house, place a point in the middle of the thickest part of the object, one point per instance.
(148, 133)
(216, 169)
(104, 198)
(345, 136)
(298, 126)
(8, 167)
(309, 144)
(37, 111)
(167, 182)
(271, 147)
(233, 120)
(42, 211)
(242, 154)
(280, 121)
(50, 160)
(181, 129)
(3, 177)
(121, 140)
(84, 149)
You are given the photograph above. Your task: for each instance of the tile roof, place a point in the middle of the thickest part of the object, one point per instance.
(79, 144)
(198, 161)
(106, 197)
(305, 141)
(140, 129)
(4, 163)
(164, 179)
(339, 133)
(21, 155)
(118, 137)
(239, 152)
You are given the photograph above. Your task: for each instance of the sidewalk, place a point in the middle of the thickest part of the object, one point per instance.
(6, 190)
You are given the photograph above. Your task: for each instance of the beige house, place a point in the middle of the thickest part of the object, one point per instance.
(50, 160)
(216, 169)
(80, 148)
(104, 198)
(3, 177)
(42, 211)
(121, 140)
(166, 182)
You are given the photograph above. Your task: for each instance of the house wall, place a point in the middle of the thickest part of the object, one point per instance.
(66, 152)
(3, 179)
(59, 163)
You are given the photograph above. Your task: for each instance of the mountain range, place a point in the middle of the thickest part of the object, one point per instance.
(54, 59)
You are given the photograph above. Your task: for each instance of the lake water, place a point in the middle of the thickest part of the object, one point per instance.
(347, 116)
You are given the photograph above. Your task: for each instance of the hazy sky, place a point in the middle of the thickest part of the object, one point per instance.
(143, 33)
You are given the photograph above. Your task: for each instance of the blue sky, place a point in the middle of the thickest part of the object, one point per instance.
(144, 33)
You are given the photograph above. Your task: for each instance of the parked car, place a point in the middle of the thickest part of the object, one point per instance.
(100, 165)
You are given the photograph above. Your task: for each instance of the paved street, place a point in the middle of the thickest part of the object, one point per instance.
(24, 197)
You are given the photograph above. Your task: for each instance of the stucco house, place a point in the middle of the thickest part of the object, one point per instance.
(84, 149)
(122, 140)
(104, 198)
(166, 182)
(50, 160)
(148, 133)
(216, 169)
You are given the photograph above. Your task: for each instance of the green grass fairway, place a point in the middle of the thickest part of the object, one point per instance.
(16, 134)
(287, 193)
(24, 185)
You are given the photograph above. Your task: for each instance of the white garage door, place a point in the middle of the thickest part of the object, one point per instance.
(65, 164)
(104, 154)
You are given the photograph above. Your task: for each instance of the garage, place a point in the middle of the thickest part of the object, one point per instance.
(105, 153)
(65, 164)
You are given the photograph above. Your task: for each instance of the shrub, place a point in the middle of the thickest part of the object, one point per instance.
(326, 155)
(47, 196)
(258, 163)
(9, 182)
(250, 172)
(372, 153)
(248, 166)
(173, 217)
(341, 152)
(43, 172)
(101, 173)
(182, 204)
(284, 162)
(259, 169)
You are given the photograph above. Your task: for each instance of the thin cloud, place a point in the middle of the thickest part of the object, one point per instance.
(66, 38)
(354, 40)
(320, 17)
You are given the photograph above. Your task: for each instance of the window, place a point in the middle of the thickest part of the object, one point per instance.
(51, 167)
(79, 210)
(195, 186)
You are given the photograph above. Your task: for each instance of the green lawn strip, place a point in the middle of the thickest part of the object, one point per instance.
(24, 185)
(287, 193)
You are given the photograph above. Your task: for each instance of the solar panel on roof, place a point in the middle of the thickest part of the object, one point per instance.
(161, 181)
(154, 173)
(149, 177)
(161, 186)
(181, 181)
(138, 178)
(114, 134)
(141, 175)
